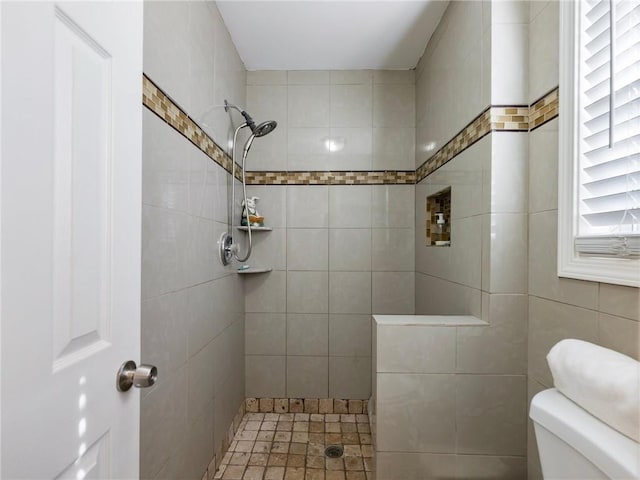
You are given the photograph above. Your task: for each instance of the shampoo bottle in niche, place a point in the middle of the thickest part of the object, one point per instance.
(250, 213)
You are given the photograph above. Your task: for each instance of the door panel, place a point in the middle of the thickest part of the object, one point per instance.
(70, 285)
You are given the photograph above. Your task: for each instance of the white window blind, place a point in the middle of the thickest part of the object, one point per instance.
(608, 166)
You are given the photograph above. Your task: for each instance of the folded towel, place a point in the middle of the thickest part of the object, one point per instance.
(603, 382)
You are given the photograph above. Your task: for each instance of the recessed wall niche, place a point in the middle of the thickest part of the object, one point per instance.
(438, 226)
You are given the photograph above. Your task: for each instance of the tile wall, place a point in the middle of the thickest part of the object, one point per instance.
(339, 252)
(608, 315)
(483, 273)
(192, 308)
(369, 115)
(434, 419)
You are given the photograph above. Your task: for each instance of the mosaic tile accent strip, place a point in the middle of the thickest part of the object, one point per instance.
(496, 118)
(544, 110)
(388, 177)
(291, 446)
(519, 118)
(164, 107)
(306, 405)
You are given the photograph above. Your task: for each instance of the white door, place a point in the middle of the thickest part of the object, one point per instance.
(70, 237)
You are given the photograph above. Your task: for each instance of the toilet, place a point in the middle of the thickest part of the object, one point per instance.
(573, 444)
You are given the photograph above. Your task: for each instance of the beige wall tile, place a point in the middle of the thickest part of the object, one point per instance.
(415, 349)
(393, 105)
(307, 334)
(619, 300)
(392, 249)
(307, 249)
(265, 376)
(266, 292)
(267, 77)
(269, 249)
(350, 249)
(356, 151)
(543, 50)
(543, 277)
(491, 414)
(165, 174)
(619, 334)
(509, 59)
(393, 293)
(351, 105)
(308, 77)
(550, 322)
(495, 467)
(393, 148)
(393, 206)
(406, 77)
(350, 377)
(306, 149)
(307, 207)
(435, 296)
(416, 413)
(349, 335)
(307, 292)
(307, 377)
(272, 204)
(501, 347)
(508, 257)
(510, 11)
(509, 172)
(543, 167)
(308, 105)
(163, 423)
(165, 343)
(265, 334)
(350, 206)
(268, 102)
(414, 466)
(351, 77)
(350, 292)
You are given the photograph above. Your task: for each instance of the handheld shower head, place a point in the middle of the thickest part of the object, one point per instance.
(265, 128)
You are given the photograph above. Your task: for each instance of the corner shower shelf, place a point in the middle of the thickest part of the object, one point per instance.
(255, 229)
(254, 270)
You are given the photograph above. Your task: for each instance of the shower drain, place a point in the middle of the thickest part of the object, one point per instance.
(334, 451)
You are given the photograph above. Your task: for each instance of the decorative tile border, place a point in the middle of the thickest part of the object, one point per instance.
(164, 107)
(388, 177)
(543, 110)
(518, 118)
(306, 405)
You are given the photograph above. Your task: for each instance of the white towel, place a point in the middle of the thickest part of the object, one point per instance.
(603, 382)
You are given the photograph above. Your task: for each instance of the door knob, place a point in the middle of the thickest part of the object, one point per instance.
(131, 375)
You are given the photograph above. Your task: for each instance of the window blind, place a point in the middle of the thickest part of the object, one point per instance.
(609, 128)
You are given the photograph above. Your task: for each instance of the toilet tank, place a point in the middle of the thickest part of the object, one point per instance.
(573, 444)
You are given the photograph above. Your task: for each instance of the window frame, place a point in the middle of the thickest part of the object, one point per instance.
(620, 271)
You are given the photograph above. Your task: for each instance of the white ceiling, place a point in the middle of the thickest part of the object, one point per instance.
(331, 34)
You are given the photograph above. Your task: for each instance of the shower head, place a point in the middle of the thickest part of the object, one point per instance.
(264, 128)
(259, 131)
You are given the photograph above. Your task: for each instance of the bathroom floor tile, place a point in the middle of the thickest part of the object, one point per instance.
(291, 447)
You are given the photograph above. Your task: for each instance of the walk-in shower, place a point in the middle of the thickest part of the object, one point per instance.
(229, 249)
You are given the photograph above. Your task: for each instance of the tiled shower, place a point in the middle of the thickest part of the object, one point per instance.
(477, 115)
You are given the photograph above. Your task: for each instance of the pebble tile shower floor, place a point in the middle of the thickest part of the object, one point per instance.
(290, 446)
